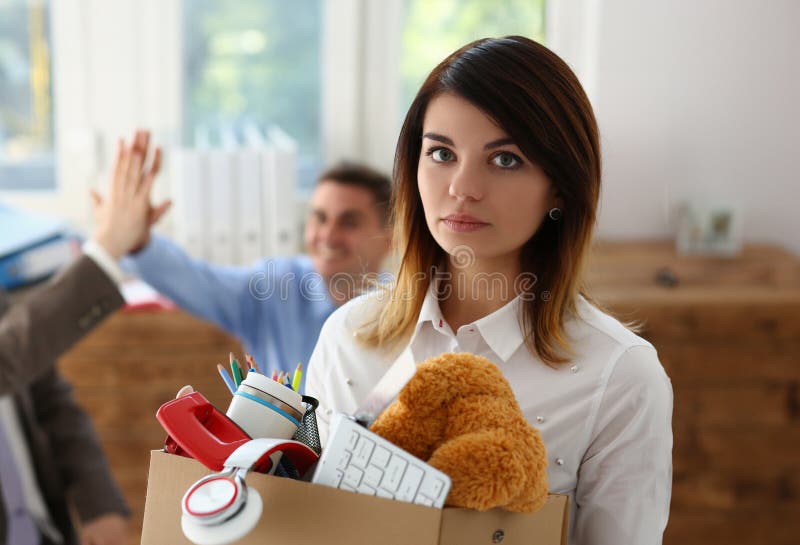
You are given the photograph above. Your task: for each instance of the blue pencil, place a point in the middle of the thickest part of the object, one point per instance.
(227, 378)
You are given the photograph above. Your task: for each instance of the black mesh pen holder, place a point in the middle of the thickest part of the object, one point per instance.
(307, 433)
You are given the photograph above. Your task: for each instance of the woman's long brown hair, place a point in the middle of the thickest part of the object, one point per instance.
(536, 98)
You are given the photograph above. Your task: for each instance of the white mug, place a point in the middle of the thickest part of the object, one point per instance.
(263, 407)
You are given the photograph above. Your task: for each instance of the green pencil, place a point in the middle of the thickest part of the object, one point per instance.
(236, 371)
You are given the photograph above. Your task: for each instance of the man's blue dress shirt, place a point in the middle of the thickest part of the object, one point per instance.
(275, 307)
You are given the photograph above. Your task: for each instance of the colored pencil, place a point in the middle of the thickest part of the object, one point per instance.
(298, 376)
(236, 371)
(253, 363)
(226, 378)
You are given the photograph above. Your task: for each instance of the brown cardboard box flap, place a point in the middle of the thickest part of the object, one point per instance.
(296, 511)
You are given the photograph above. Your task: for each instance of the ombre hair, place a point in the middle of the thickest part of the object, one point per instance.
(536, 98)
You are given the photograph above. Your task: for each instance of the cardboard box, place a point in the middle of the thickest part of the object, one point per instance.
(299, 512)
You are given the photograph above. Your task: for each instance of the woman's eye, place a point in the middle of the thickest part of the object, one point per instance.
(441, 155)
(506, 160)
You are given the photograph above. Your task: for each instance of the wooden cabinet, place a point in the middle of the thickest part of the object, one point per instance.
(728, 334)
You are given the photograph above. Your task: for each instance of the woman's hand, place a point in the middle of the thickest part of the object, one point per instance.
(123, 219)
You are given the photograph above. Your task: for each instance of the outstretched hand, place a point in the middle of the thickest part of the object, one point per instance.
(124, 217)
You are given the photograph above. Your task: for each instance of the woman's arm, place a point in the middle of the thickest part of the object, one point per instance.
(625, 478)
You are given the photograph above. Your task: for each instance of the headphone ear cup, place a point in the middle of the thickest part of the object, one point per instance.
(231, 529)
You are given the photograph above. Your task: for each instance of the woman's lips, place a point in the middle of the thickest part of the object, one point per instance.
(463, 223)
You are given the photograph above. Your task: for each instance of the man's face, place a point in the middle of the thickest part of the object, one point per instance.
(344, 232)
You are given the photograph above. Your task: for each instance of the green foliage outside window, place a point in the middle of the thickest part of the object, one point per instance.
(435, 28)
(252, 61)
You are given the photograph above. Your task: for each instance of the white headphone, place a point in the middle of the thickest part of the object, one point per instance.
(220, 508)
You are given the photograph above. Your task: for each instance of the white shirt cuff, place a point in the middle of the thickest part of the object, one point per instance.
(104, 261)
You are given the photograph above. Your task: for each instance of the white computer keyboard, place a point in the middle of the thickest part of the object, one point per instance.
(359, 460)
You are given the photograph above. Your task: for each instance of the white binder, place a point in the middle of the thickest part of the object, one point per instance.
(281, 193)
(249, 236)
(188, 169)
(222, 217)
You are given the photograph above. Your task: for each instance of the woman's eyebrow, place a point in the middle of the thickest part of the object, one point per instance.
(491, 145)
(439, 138)
(499, 142)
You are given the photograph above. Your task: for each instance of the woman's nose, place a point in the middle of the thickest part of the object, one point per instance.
(466, 184)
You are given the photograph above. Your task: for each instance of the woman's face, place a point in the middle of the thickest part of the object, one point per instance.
(477, 188)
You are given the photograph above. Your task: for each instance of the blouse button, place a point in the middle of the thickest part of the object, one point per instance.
(329, 411)
(540, 419)
(559, 462)
(349, 382)
(574, 368)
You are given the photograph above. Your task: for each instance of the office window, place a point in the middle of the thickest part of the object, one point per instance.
(435, 28)
(253, 63)
(26, 109)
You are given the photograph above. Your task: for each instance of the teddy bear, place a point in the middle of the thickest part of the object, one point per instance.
(459, 414)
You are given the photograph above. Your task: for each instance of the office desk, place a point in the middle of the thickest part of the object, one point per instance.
(728, 335)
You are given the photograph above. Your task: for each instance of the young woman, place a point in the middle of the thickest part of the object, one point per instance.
(497, 176)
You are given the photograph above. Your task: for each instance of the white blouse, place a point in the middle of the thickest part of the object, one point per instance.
(605, 418)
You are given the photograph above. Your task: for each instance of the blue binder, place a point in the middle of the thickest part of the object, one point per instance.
(32, 247)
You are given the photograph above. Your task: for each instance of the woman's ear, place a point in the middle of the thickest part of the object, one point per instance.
(556, 200)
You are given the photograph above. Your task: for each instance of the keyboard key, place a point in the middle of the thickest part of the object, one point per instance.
(344, 486)
(385, 494)
(344, 461)
(364, 489)
(432, 487)
(381, 457)
(372, 476)
(352, 439)
(410, 484)
(333, 478)
(352, 476)
(394, 473)
(422, 499)
(363, 452)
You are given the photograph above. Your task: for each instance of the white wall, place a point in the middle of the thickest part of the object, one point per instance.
(699, 99)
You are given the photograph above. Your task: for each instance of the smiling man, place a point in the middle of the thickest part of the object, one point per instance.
(347, 233)
(276, 307)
